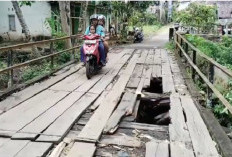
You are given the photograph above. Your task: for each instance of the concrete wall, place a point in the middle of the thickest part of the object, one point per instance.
(34, 16)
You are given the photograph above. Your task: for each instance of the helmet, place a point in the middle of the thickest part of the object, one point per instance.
(101, 17)
(94, 16)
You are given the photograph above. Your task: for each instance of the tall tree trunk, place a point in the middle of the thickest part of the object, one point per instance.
(18, 11)
(65, 20)
(22, 22)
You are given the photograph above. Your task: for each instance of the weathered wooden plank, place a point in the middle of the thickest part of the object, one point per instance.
(148, 74)
(137, 71)
(12, 147)
(94, 127)
(203, 144)
(67, 119)
(157, 149)
(156, 71)
(81, 149)
(23, 114)
(115, 118)
(157, 57)
(31, 91)
(178, 149)
(44, 120)
(121, 140)
(178, 130)
(99, 100)
(143, 56)
(34, 149)
(141, 126)
(3, 141)
(72, 82)
(133, 82)
(150, 57)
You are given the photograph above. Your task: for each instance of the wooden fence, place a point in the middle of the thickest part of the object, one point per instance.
(190, 52)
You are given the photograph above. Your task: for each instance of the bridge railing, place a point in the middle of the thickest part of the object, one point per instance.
(183, 48)
(9, 70)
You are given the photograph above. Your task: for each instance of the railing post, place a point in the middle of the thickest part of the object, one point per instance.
(194, 61)
(73, 51)
(181, 45)
(52, 51)
(10, 63)
(211, 80)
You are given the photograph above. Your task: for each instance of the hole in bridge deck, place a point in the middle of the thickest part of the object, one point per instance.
(154, 105)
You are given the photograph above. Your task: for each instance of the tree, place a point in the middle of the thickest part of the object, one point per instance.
(65, 20)
(22, 21)
(197, 15)
(18, 11)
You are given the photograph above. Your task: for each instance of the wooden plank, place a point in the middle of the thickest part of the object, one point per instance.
(34, 149)
(121, 140)
(178, 130)
(143, 56)
(178, 149)
(138, 70)
(67, 119)
(19, 97)
(23, 114)
(133, 82)
(12, 147)
(94, 127)
(3, 141)
(203, 144)
(141, 126)
(120, 111)
(44, 120)
(148, 74)
(156, 71)
(72, 82)
(150, 57)
(157, 149)
(157, 57)
(168, 84)
(81, 149)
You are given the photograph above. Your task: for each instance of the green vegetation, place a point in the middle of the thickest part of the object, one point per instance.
(221, 52)
(170, 46)
(197, 15)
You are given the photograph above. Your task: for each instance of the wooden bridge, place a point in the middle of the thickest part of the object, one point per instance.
(88, 117)
(141, 104)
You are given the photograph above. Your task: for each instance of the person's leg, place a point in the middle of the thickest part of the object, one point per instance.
(102, 52)
(82, 54)
(106, 46)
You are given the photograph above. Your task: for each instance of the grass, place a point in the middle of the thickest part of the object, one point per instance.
(151, 29)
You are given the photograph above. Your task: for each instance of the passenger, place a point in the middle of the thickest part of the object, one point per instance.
(94, 22)
(101, 24)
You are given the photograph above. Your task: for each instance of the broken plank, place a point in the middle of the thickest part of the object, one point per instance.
(178, 130)
(178, 149)
(18, 117)
(156, 71)
(121, 140)
(47, 118)
(95, 125)
(120, 111)
(157, 149)
(141, 126)
(67, 119)
(34, 149)
(12, 147)
(203, 144)
(81, 149)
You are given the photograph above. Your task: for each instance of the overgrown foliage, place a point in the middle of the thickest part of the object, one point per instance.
(221, 52)
(197, 15)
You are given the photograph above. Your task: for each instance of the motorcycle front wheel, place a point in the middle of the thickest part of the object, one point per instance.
(88, 70)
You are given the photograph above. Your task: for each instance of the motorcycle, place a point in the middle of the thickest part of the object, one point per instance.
(92, 56)
(138, 36)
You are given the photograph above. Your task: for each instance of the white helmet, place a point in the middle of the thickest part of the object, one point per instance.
(94, 16)
(101, 17)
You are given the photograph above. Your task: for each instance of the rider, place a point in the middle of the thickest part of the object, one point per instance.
(94, 21)
(101, 24)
